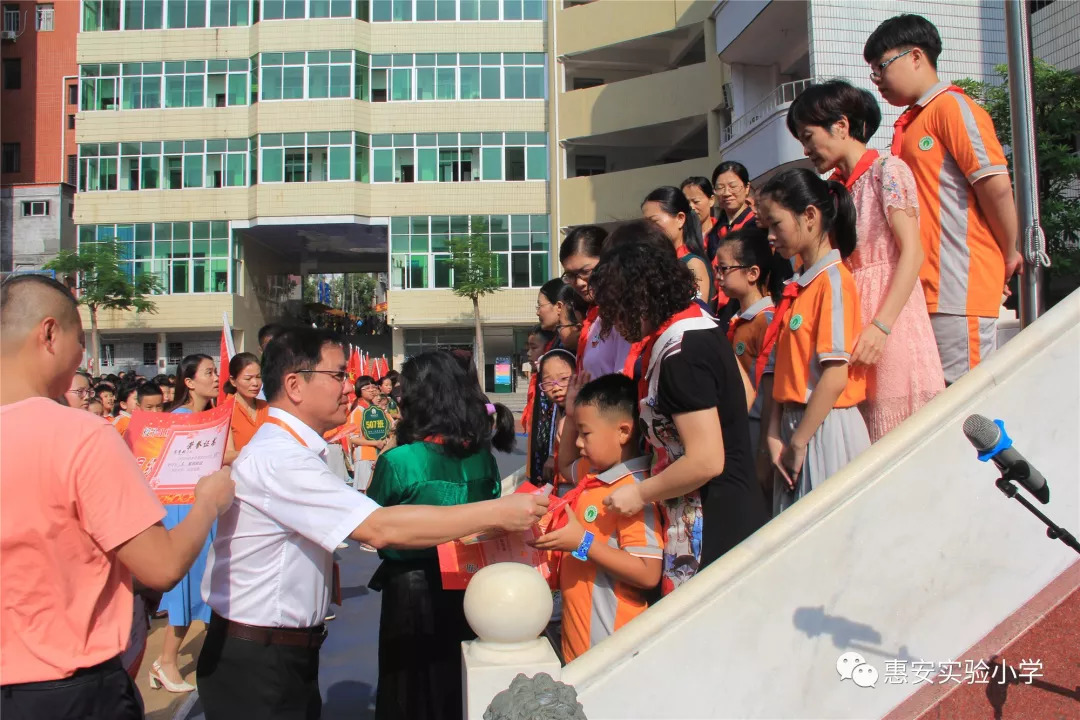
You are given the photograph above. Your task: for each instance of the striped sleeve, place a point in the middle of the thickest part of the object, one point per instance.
(836, 324)
(641, 535)
(969, 136)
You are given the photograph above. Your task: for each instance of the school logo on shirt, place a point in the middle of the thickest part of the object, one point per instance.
(926, 143)
(590, 513)
(796, 322)
(740, 348)
(376, 426)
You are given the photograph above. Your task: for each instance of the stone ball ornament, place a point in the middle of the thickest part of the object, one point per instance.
(508, 604)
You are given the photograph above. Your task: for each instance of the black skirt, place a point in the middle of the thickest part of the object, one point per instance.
(421, 628)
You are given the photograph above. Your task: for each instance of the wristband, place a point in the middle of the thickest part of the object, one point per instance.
(582, 552)
(881, 326)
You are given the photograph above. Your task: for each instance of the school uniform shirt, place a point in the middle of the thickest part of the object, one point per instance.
(70, 494)
(272, 560)
(747, 334)
(820, 326)
(950, 144)
(594, 603)
(373, 424)
(121, 422)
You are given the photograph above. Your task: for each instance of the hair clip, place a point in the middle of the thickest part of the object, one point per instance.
(490, 408)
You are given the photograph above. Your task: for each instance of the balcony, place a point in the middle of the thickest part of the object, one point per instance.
(759, 138)
(754, 32)
(608, 23)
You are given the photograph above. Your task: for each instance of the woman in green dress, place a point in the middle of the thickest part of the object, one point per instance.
(443, 457)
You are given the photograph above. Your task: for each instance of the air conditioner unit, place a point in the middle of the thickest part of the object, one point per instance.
(7, 35)
(728, 93)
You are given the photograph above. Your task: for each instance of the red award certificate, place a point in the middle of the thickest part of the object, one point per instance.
(174, 450)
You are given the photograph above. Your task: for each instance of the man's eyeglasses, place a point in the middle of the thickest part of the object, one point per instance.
(84, 393)
(557, 383)
(338, 375)
(583, 274)
(725, 269)
(880, 72)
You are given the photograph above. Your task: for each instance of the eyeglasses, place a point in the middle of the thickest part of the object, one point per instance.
(583, 274)
(730, 187)
(725, 269)
(552, 384)
(338, 375)
(543, 305)
(84, 393)
(880, 72)
(571, 325)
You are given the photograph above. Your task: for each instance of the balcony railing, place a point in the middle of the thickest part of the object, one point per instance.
(782, 95)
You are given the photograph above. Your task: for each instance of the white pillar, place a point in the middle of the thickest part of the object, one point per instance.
(508, 605)
(162, 352)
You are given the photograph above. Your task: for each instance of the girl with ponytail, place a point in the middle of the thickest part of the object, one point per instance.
(896, 344)
(815, 427)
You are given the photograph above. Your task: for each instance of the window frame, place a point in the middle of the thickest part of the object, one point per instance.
(35, 208)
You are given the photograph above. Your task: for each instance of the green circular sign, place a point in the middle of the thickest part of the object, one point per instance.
(796, 322)
(740, 348)
(376, 424)
(590, 513)
(926, 142)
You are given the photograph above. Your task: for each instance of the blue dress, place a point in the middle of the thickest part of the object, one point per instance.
(184, 602)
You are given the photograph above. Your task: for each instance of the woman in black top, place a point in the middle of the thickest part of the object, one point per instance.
(692, 401)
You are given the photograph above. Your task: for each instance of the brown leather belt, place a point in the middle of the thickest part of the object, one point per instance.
(311, 638)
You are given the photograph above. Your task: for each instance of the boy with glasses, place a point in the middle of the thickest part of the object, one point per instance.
(967, 217)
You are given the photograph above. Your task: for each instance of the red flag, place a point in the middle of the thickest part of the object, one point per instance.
(369, 367)
(224, 356)
(384, 367)
(354, 366)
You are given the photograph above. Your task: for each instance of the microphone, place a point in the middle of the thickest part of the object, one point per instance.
(990, 439)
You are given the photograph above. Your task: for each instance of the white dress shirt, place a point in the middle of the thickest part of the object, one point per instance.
(272, 560)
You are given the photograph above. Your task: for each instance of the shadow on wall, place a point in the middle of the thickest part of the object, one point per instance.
(846, 634)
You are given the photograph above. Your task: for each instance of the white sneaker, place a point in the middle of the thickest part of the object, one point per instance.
(367, 548)
(342, 546)
(330, 617)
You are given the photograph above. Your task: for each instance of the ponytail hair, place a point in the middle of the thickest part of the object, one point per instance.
(503, 433)
(797, 189)
(672, 201)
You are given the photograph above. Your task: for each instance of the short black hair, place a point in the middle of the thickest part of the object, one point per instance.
(268, 332)
(903, 31)
(824, 104)
(439, 399)
(298, 348)
(585, 240)
(613, 394)
(124, 390)
(148, 389)
(104, 387)
(362, 382)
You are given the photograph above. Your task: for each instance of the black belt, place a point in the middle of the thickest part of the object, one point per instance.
(108, 666)
(311, 638)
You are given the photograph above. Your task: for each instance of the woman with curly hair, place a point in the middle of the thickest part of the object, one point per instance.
(443, 457)
(691, 396)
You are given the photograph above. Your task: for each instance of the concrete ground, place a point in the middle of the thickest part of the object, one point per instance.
(348, 672)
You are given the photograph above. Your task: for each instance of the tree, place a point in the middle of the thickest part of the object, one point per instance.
(476, 273)
(1057, 126)
(104, 284)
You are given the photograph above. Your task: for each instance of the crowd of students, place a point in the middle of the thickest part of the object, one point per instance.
(697, 371)
(770, 334)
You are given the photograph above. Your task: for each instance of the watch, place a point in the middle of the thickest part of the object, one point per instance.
(582, 552)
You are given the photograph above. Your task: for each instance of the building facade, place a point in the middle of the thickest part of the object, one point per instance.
(232, 146)
(651, 92)
(39, 98)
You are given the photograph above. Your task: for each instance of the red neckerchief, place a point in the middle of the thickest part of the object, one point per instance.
(435, 439)
(791, 291)
(861, 167)
(646, 346)
(569, 500)
(682, 251)
(285, 426)
(583, 338)
(735, 322)
(530, 399)
(907, 117)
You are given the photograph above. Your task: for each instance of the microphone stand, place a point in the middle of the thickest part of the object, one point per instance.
(1054, 532)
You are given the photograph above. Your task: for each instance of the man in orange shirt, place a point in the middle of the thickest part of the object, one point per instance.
(967, 214)
(77, 519)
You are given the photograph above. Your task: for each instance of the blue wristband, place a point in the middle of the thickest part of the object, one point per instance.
(1004, 443)
(582, 552)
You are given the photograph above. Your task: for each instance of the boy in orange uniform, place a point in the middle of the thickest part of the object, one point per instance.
(611, 560)
(127, 398)
(967, 215)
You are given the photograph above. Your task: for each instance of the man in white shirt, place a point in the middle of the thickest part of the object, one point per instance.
(271, 562)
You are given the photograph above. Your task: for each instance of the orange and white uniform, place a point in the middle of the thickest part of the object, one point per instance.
(819, 327)
(949, 143)
(594, 603)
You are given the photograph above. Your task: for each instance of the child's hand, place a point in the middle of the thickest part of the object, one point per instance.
(576, 383)
(565, 539)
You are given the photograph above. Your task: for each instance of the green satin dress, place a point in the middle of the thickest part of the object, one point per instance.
(422, 626)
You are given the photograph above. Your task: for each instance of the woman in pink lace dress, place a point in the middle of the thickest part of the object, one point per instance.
(833, 121)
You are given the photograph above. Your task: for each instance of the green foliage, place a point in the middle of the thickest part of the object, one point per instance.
(1057, 127)
(476, 269)
(103, 283)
